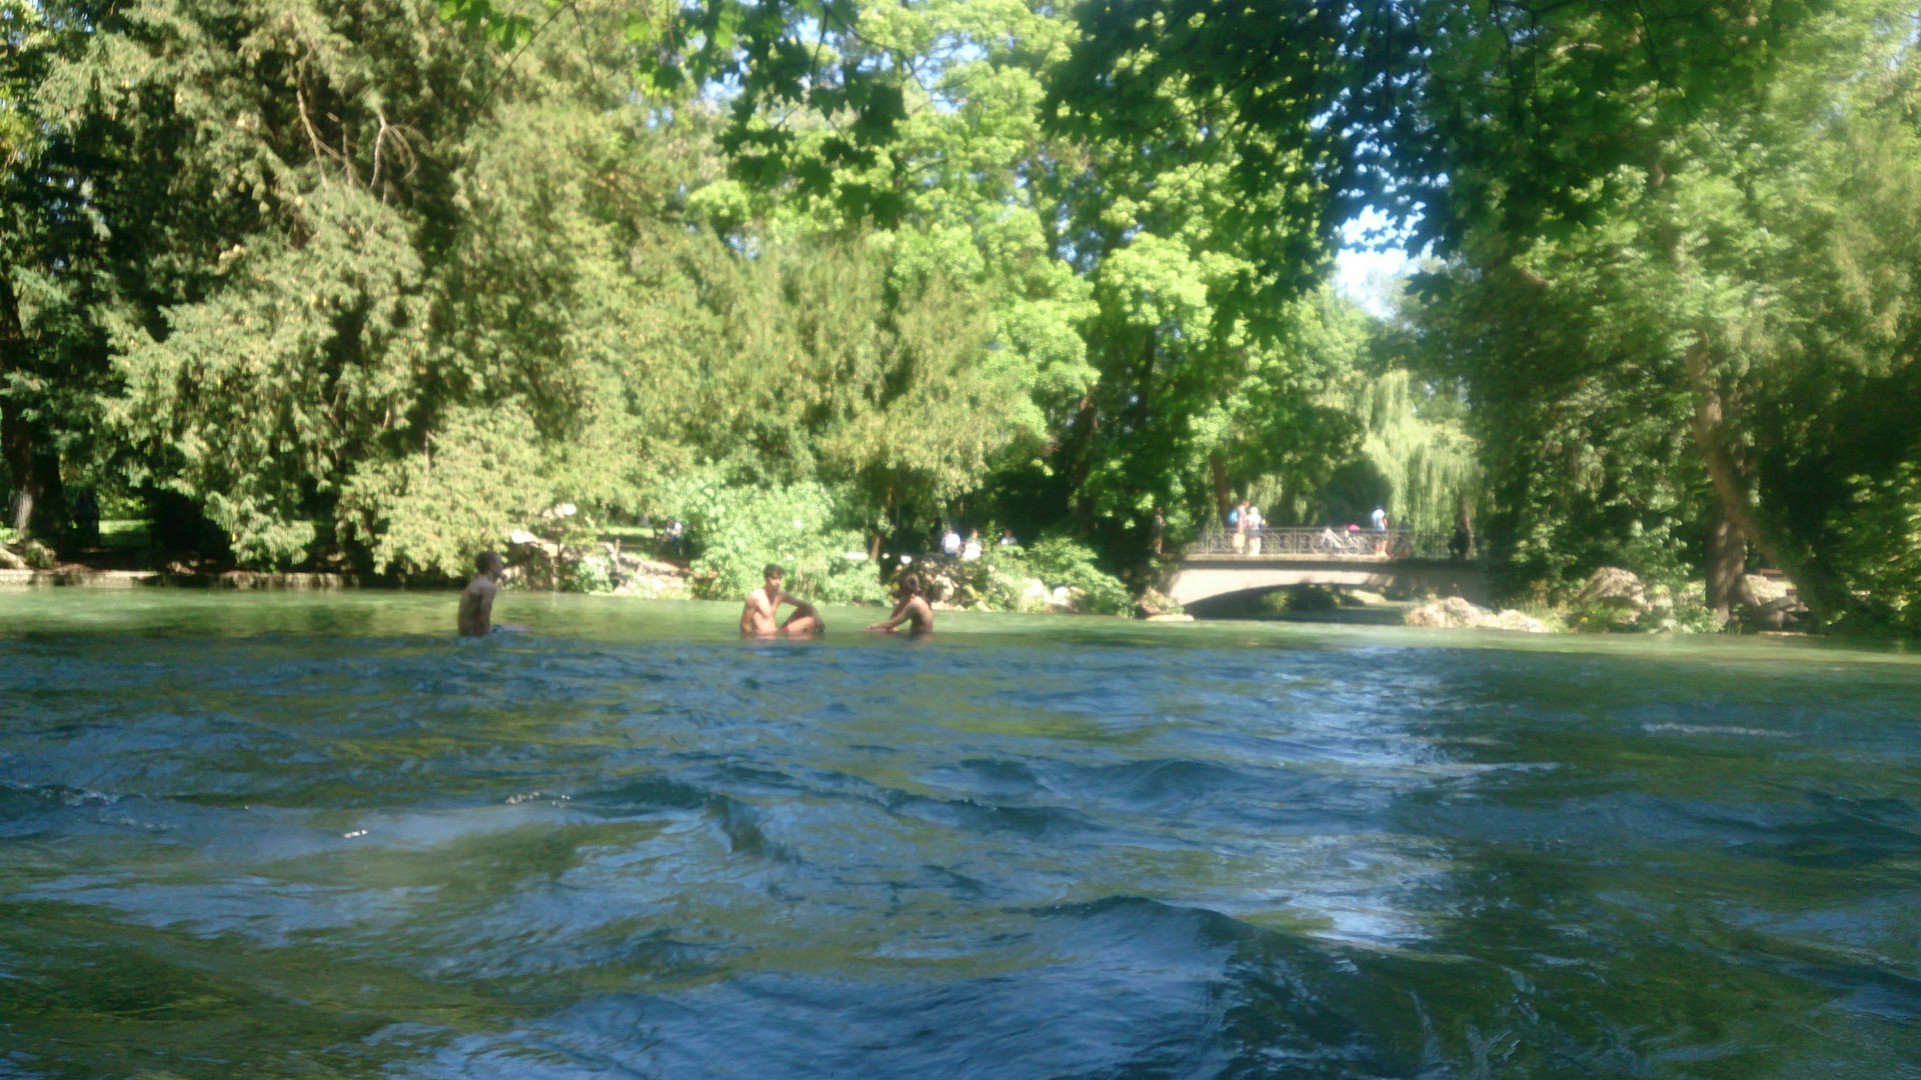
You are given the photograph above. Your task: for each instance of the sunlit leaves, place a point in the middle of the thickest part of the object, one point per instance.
(505, 29)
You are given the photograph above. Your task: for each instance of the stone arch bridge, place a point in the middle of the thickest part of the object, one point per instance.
(1213, 574)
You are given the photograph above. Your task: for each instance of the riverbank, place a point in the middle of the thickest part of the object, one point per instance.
(81, 577)
(1613, 600)
(1056, 576)
(427, 615)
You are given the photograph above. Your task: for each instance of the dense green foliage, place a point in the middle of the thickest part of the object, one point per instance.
(370, 286)
(744, 528)
(1706, 351)
(1676, 244)
(375, 285)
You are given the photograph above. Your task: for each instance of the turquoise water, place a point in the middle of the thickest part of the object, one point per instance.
(313, 835)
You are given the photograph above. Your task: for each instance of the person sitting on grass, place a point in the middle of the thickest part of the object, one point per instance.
(477, 602)
(910, 607)
(763, 605)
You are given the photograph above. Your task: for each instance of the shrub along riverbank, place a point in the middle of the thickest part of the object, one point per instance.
(1053, 575)
(1056, 575)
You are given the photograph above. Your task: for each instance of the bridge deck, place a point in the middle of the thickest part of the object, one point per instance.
(1202, 577)
(1256, 562)
(1323, 541)
(1266, 559)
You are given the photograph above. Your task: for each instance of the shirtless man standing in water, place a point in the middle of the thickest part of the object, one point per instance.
(763, 604)
(477, 602)
(911, 607)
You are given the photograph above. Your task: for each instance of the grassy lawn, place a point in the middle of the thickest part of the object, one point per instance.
(125, 533)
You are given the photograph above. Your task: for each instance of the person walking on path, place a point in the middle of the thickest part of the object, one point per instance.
(1159, 531)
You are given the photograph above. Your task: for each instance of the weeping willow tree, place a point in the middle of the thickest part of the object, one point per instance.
(1414, 457)
(1416, 444)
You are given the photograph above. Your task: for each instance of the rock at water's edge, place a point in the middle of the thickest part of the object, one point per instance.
(1456, 613)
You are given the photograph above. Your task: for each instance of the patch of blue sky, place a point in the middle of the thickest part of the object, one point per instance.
(1373, 262)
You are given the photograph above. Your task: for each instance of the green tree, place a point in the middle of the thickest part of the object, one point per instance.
(1642, 199)
(332, 241)
(55, 267)
(1713, 349)
(832, 365)
(1156, 347)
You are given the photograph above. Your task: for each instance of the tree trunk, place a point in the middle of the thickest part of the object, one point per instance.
(1087, 421)
(33, 461)
(1727, 566)
(16, 441)
(1223, 498)
(1735, 522)
(16, 434)
(873, 535)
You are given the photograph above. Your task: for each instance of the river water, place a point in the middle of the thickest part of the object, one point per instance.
(314, 836)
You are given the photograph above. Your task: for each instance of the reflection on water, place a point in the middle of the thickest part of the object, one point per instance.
(316, 836)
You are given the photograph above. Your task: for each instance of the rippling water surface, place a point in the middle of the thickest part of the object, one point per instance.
(314, 836)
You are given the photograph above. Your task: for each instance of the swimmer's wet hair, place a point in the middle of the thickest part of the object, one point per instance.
(910, 582)
(773, 570)
(485, 561)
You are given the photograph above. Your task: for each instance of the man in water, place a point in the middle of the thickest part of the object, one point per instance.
(763, 605)
(477, 602)
(910, 607)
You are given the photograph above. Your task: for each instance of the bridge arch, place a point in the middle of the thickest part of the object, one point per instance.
(1203, 578)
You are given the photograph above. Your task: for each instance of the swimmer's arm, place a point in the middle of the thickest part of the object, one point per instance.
(802, 609)
(899, 616)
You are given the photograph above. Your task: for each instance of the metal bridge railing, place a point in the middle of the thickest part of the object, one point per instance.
(1328, 543)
